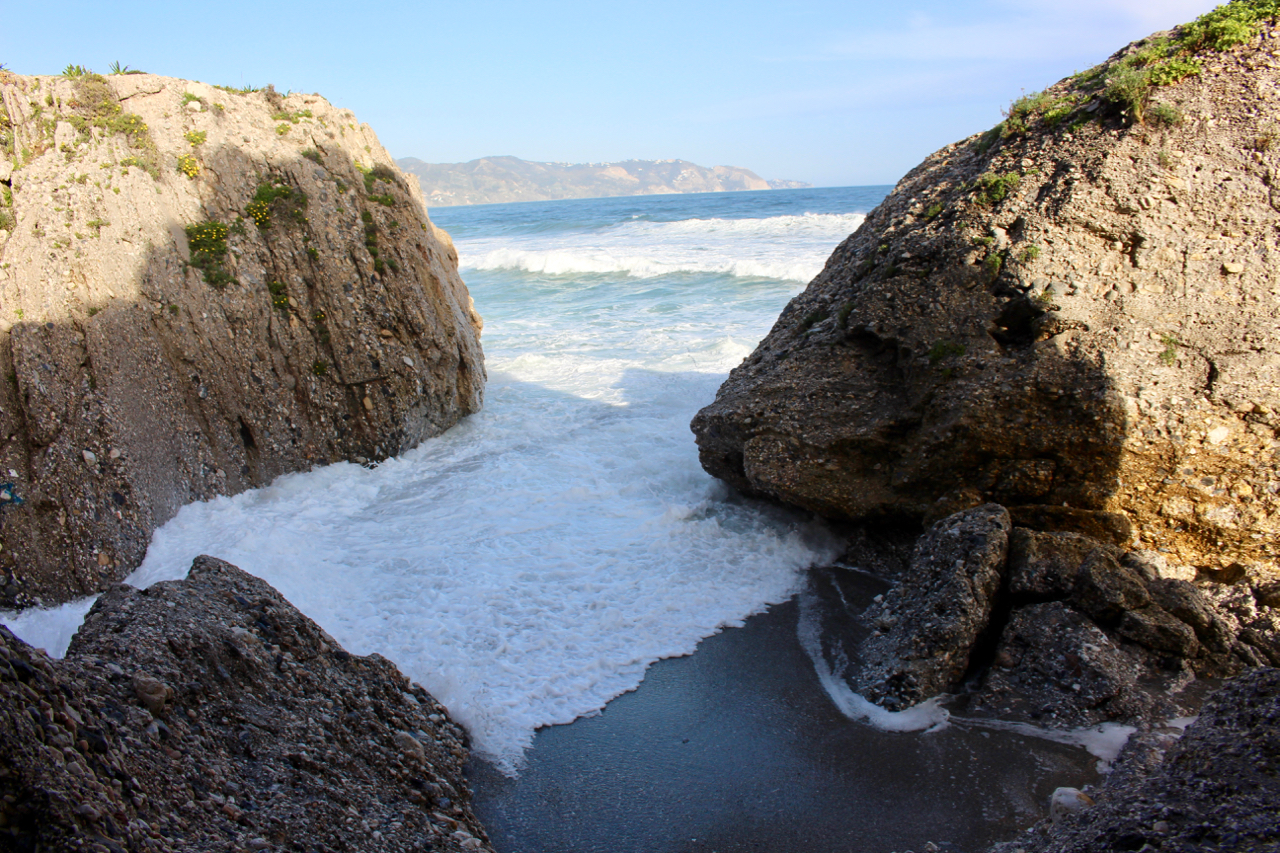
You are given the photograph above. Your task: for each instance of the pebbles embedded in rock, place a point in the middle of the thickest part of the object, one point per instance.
(152, 692)
(1067, 801)
(410, 745)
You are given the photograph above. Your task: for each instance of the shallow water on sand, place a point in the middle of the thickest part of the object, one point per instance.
(738, 747)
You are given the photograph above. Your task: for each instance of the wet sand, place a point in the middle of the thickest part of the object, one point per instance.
(737, 747)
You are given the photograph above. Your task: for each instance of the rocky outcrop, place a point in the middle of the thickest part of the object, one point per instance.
(931, 621)
(492, 180)
(201, 289)
(1054, 627)
(1074, 315)
(209, 714)
(1215, 788)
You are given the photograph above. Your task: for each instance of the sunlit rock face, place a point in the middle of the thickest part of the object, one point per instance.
(200, 290)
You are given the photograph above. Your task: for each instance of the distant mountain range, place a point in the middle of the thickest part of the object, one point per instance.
(491, 180)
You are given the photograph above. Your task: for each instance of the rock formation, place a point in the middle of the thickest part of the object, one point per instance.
(1216, 788)
(1055, 627)
(201, 289)
(209, 714)
(1055, 346)
(491, 180)
(1074, 315)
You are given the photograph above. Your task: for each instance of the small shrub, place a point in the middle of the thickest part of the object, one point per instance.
(208, 244)
(1021, 113)
(196, 137)
(1165, 115)
(1170, 353)
(75, 72)
(188, 98)
(117, 68)
(1266, 138)
(320, 368)
(842, 316)
(933, 210)
(97, 224)
(1029, 254)
(1228, 25)
(188, 165)
(1057, 111)
(313, 155)
(276, 198)
(93, 310)
(993, 264)
(173, 309)
(384, 200)
(7, 220)
(993, 188)
(945, 349)
(282, 129)
(292, 118)
(812, 318)
(1128, 89)
(312, 253)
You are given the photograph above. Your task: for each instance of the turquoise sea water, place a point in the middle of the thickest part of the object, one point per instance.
(531, 563)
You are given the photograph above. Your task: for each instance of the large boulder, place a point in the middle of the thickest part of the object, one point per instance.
(209, 714)
(202, 289)
(1074, 315)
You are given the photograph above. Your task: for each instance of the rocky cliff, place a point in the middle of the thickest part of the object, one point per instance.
(1074, 315)
(1053, 349)
(491, 180)
(201, 289)
(209, 714)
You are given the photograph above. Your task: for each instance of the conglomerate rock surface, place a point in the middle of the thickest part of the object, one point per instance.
(208, 714)
(1215, 788)
(200, 290)
(1079, 320)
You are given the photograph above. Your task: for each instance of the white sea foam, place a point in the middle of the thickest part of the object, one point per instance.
(528, 565)
(927, 716)
(51, 628)
(789, 248)
(1104, 741)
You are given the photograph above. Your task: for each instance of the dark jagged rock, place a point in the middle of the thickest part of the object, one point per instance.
(930, 621)
(1217, 788)
(1053, 627)
(210, 715)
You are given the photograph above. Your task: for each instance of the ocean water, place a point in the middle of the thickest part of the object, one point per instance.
(530, 564)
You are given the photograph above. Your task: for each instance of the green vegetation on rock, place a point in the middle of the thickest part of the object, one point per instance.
(273, 198)
(208, 244)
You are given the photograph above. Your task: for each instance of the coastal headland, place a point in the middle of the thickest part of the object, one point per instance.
(494, 180)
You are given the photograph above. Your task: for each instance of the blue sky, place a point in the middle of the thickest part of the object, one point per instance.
(834, 93)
